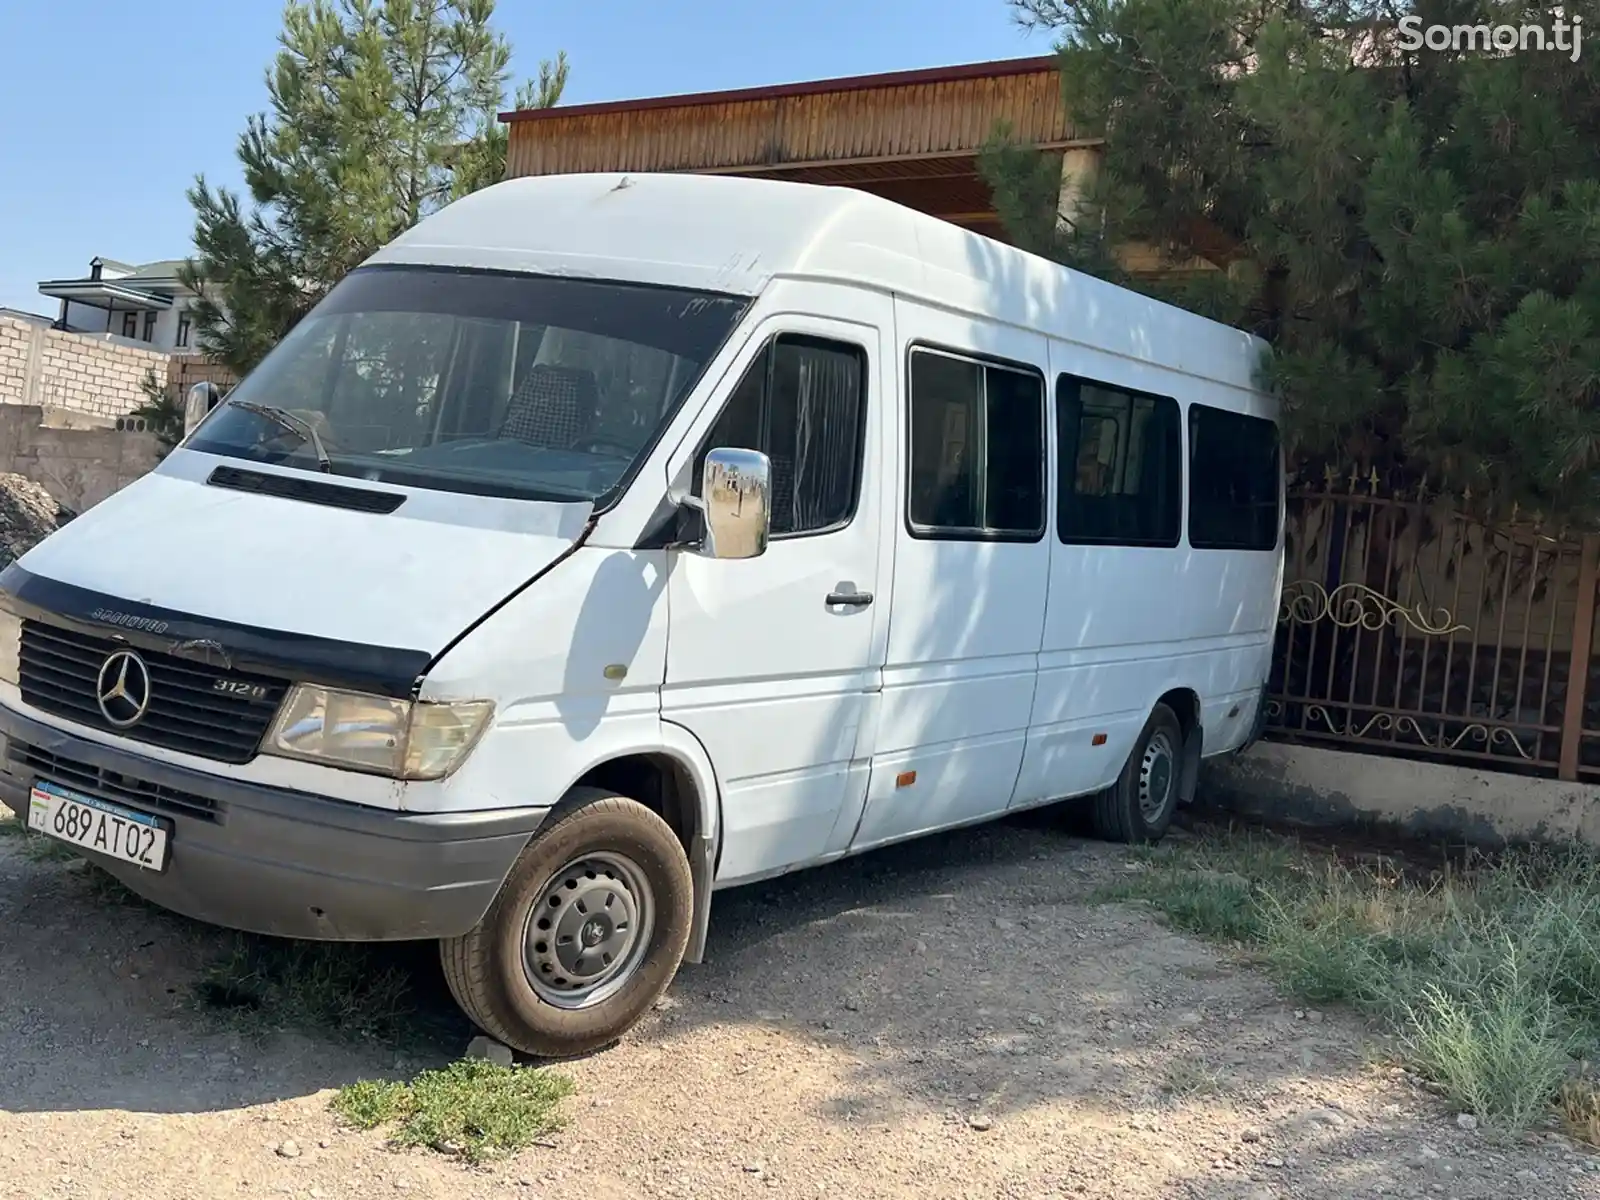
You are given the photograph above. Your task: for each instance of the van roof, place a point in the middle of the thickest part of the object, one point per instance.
(736, 234)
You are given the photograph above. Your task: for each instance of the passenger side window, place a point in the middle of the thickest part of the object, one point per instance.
(1234, 480)
(977, 449)
(803, 403)
(1121, 470)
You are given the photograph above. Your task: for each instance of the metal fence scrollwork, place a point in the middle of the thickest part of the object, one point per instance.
(1351, 604)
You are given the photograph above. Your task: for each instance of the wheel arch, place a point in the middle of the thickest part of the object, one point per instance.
(1185, 705)
(675, 779)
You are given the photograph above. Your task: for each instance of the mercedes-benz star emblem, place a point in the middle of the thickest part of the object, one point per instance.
(123, 688)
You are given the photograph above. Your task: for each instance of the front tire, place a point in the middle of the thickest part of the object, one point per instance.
(1139, 806)
(586, 933)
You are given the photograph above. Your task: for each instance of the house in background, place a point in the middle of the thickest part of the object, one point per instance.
(913, 137)
(146, 304)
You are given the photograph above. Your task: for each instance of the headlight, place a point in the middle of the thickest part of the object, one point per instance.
(400, 738)
(10, 645)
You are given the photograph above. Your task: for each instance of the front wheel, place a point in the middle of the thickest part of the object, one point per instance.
(586, 933)
(1138, 807)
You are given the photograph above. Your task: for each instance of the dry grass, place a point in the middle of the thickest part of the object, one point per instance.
(35, 846)
(1185, 1078)
(1579, 1105)
(1489, 974)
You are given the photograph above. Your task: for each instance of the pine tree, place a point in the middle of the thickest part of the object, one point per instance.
(1417, 233)
(162, 411)
(380, 112)
(482, 160)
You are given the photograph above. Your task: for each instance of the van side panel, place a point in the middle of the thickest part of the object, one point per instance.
(963, 635)
(1236, 596)
(1126, 624)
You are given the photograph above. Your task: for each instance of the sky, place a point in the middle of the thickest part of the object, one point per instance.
(113, 107)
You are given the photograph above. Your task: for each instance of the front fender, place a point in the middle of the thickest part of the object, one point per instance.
(707, 841)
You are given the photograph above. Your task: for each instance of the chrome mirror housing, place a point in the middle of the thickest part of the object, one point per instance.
(736, 502)
(198, 403)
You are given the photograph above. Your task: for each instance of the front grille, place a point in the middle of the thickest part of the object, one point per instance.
(60, 669)
(109, 785)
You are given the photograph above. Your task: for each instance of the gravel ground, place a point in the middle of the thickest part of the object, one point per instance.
(950, 1018)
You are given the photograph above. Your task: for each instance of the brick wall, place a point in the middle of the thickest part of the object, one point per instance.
(16, 357)
(186, 370)
(75, 457)
(80, 372)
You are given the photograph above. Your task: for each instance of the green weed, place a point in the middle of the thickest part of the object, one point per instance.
(472, 1108)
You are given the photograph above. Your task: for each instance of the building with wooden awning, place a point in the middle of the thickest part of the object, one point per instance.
(913, 137)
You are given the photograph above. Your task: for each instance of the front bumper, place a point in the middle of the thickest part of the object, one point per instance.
(273, 861)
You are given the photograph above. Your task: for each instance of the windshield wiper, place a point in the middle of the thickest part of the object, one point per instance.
(294, 424)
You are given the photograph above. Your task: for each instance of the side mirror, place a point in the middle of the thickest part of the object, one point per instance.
(201, 399)
(735, 500)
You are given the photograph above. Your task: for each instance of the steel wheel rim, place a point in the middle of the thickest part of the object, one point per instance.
(1156, 772)
(588, 930)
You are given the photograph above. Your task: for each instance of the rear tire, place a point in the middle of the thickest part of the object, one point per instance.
(585, 934)
(1139, 806)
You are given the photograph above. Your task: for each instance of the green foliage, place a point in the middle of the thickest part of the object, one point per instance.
(1489, 977)
(474, 1109)
(380, 112)
(162, 411)
(35, 847)
(335, 988)
(482, 160)
(1209, 904)
(1417, 234)
(369, 1103)
(1504, 1051)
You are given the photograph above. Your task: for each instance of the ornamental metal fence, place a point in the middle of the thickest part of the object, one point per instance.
(1410, 629)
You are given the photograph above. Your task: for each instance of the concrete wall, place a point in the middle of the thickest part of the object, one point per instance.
(80, 372)
(78, 457)
(1312, 786)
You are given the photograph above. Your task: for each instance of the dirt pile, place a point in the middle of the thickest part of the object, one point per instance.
(28, 514)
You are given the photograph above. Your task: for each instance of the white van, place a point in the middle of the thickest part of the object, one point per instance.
(607, 540)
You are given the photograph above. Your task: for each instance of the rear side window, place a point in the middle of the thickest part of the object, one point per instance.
(1121, 466)
(1234, 480)
(803, 403)
(977, 450)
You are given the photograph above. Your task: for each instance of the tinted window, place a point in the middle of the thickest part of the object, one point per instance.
(977, 449)
(1120, 466)
(802, 403)
(514, 385)
(1234, 481)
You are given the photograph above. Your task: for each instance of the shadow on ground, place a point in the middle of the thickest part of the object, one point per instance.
(951, 1017)
(951, 962)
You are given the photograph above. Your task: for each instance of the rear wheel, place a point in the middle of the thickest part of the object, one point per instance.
(1139, 806)
(586, 933)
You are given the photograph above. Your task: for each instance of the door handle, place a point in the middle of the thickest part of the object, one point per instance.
(850, 599)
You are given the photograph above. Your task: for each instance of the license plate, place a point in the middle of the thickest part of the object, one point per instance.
(95, 825)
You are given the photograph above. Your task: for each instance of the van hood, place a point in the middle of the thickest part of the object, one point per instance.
(410, 580)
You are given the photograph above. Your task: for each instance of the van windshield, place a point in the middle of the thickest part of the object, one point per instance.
(528, 386)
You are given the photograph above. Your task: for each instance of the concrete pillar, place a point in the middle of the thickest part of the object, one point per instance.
(30, 384)
(1079, 167)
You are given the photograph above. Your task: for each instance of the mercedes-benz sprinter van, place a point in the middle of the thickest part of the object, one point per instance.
(608, 540)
